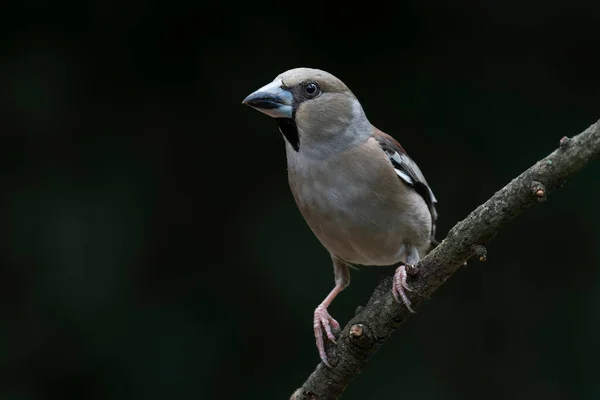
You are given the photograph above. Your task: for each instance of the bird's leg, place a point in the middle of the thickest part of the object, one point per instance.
(322, 320)
(399, 284)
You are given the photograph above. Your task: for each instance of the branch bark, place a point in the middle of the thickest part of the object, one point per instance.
(374, 323)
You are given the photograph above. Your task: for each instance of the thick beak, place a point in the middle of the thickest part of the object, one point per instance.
(272, 100)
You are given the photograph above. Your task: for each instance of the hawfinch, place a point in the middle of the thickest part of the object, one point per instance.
(366, 201)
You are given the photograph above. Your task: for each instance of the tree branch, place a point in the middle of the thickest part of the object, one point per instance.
(374, 323)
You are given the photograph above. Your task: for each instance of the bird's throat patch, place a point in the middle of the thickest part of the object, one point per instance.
(288, 128)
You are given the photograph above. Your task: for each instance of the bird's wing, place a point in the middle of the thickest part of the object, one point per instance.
(408, 171)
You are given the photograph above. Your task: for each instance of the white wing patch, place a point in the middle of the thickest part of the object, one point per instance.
(404, 176)
(409, 172)
(396, 157)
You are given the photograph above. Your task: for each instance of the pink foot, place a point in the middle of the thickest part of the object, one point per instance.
(324, 322)
(399, 285)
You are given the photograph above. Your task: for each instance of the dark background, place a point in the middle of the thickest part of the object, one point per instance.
(150, 247)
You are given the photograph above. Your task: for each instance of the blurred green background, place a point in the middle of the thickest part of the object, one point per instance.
(150, 247)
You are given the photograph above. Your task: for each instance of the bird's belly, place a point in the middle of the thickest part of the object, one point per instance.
(360, 225)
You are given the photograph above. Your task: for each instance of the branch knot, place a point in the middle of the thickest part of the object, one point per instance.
(480, 252)
(539, 190)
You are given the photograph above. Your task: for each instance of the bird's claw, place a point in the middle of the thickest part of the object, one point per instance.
(399, 286)
(324, 322)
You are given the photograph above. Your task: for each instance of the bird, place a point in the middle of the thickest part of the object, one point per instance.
(363, 197)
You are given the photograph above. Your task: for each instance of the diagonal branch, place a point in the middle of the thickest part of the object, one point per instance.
(374, 323)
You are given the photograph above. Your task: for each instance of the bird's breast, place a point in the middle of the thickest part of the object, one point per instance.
(357, 207)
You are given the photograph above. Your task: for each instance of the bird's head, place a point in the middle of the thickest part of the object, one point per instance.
(316, 111)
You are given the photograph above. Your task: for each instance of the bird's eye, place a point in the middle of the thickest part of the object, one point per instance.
(311, 89)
